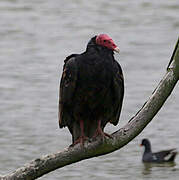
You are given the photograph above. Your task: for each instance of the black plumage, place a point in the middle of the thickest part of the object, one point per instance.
(91, 90)
(157, 157)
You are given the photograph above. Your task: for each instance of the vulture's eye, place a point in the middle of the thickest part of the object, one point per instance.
(104, 40)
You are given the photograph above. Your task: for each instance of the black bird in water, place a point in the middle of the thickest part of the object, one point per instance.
(158, 157)
(91, 90)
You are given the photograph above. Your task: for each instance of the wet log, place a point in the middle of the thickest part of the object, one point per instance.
(43, 165)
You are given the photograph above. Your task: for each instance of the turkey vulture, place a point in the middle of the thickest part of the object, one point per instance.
(157, 157)
(91, 90)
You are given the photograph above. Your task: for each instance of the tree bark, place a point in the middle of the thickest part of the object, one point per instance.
(38, 167)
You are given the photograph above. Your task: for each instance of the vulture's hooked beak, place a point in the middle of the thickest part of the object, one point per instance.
(117, 50)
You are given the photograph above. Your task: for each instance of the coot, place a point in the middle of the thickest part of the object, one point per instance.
(157, 157)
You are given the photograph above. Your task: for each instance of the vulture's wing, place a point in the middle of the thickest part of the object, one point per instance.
(67, 90)
(118, 87)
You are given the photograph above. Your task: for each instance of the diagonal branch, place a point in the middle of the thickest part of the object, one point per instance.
(48, 163)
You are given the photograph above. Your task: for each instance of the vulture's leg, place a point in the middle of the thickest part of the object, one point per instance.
(82, 137)
(99, 132)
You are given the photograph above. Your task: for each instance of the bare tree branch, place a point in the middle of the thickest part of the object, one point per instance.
(48, 163)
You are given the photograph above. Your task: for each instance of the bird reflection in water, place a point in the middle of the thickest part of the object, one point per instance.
(149, 167)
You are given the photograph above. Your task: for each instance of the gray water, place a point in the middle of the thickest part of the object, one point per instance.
(35, 38)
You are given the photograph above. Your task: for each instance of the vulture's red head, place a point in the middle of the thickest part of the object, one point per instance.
(106, 41)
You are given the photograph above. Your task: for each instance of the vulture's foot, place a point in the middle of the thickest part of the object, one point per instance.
(100, 133)
(80, 140)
